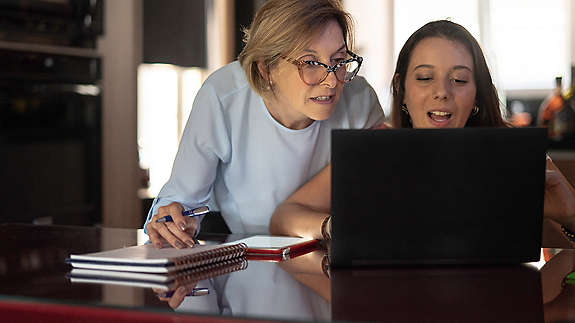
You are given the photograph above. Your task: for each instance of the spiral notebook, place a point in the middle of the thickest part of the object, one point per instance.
(164, 281)
(147, 259)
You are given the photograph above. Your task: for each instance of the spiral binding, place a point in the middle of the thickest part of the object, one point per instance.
(218, 255)
(212, 270)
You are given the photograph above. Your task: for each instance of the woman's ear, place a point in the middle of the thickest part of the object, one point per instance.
(263, 69)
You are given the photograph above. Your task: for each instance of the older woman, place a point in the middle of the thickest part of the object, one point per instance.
(260, 126)
(441, 80)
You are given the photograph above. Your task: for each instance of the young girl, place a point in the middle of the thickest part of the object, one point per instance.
(441, 80)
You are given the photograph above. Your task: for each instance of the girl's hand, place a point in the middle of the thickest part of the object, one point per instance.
(559, 203)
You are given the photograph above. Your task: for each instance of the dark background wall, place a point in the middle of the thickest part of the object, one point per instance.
(175, 32)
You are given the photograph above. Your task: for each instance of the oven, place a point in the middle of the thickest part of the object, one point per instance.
(74, 23)
(50, 138)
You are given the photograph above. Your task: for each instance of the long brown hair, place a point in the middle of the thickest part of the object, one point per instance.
(486, 98)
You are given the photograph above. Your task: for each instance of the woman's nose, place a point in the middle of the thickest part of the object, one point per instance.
(441, 90)
(330, 80)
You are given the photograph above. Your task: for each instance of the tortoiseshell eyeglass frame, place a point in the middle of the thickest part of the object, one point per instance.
(334, 68)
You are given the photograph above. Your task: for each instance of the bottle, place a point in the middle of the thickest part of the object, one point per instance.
(568, 94)
(549, 110)
(568, 112)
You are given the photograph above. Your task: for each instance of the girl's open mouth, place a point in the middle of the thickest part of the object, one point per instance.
(439, 116)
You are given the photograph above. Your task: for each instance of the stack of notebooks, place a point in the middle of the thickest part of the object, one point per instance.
(168, 268)
(163, 269)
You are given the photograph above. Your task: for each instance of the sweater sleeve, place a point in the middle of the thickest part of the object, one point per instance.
(204, 144)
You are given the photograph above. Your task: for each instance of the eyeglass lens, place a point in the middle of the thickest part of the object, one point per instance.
(315, 74)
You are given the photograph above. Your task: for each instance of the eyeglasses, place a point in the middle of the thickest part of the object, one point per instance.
(313, 72)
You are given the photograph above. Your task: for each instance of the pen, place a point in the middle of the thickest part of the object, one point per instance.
(194, 292)
(194, 212)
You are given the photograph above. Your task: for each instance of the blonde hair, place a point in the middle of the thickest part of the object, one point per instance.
(283, 28)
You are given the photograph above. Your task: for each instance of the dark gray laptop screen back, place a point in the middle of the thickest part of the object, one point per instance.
(405, 196)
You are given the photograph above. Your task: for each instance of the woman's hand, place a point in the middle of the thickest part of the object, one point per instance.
(178, 233)
(559, 204)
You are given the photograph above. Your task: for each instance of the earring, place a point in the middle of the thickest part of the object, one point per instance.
(475, 111)
(404, 108)
(270, 85)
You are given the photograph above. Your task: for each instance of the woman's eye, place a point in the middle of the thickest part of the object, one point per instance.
(311, 65)
(459, 81)
(423, 78)
(307, 59)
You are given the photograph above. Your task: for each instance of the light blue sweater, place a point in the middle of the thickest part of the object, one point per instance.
(235, 156)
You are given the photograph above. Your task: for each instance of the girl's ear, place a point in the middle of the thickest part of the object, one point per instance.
(396, 83)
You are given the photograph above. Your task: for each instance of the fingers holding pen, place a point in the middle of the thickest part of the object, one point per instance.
(173, 231)
(175, 236)
(158, 232)
(182, 227)
(174, 210)
(153, 234)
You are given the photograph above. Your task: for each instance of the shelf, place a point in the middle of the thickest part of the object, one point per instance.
(49, 49)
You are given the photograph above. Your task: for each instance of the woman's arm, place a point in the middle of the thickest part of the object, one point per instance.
(204, 143)
(303, 213)
(308, 269)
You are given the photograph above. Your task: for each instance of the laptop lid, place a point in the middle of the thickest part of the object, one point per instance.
(437, 196)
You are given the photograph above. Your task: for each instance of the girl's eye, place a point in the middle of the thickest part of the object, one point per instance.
(459, 81)
(422, 78)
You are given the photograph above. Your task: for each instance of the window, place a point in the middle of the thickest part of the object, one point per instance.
(526, 42)
(531, 40)
(409, 15)
(165, 97)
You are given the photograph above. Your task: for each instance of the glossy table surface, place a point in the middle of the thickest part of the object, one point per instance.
(33, 271)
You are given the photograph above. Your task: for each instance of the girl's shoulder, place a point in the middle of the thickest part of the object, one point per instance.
(382, 125)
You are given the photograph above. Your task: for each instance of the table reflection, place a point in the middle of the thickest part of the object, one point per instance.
(438, 294)
(302, 288)
(519, 293)
(263, 290)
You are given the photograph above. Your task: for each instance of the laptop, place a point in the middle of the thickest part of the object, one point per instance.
(437, 196)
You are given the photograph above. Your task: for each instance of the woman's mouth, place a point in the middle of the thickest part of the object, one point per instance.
(325, 99)
(439, 117)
